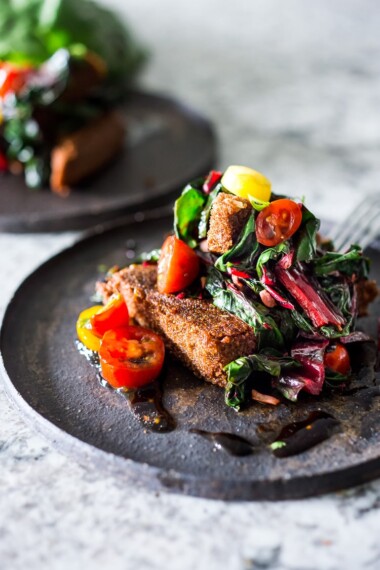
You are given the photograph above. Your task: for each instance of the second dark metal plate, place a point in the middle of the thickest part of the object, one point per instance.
(167, 144)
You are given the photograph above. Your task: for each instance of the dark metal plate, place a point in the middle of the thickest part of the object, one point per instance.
(56, 390)
(167, 144)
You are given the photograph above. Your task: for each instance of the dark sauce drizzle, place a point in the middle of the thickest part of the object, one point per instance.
(296, 437)
(293, 438)
(145, 403)
(233, 444)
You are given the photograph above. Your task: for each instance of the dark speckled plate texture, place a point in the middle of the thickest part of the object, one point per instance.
(56, 390)
(166, 145)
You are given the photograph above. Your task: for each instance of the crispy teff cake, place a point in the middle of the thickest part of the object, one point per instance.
(85, 151)
(229, 215)
(199, 334)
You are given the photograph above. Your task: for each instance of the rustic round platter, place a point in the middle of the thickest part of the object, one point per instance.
(166, 145)
(56, 390)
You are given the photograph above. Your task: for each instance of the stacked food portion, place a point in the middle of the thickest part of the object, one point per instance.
(246, 293)
(65, 67)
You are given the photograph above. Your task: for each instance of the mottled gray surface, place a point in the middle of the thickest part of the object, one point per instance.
(294, 88)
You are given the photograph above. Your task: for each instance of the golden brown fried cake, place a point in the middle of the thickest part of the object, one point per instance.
(199, 334)
(229, 215)
(85, 151)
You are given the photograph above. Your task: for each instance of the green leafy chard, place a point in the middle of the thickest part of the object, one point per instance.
(306, 239)
(335, 379)
(239, 370)
(229, 299)
(244, 252)
(25, 133)
(271, 253)
(206, 212)
(353, 262)
(187, 213)
(302, 322)
(31, 31)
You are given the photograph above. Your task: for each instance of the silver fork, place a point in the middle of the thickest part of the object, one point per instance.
(362, 226)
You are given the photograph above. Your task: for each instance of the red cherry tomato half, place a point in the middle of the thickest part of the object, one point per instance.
(12, 78)
(178, 266)
(337, 359)
(131, 357)
(278, 222)
(113, 316)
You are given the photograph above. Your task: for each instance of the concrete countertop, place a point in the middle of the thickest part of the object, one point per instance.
(293, 89)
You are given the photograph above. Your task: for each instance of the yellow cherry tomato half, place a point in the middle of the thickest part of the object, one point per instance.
(84, 328)
(247, 183)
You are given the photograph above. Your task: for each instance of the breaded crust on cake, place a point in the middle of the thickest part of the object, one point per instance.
(229, 214)
(199, 334)
(86, 150)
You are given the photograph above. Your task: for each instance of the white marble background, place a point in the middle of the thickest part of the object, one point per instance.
(294, 89)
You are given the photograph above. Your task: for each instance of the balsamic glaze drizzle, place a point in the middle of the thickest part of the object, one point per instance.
(293, 438)
(296, 437)
(233, 444)
(146, 405)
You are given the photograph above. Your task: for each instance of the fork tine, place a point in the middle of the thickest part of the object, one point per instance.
(343, 229)
(360, 229)
(354, 219)
(372, 234)
(358, 224)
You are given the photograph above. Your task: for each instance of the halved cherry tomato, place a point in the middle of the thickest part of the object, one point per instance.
(113, 316)
(278, 222)
(177, 267)
(131, 357)
(12, 77)
(84, 328)
(337, 359)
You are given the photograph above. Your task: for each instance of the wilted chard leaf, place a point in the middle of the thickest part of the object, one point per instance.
(353, 262)
(271, 253)
(187, 212)
(206, 212)
(244, 252)
(239, 370)
(228, 298)
(306, 242)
